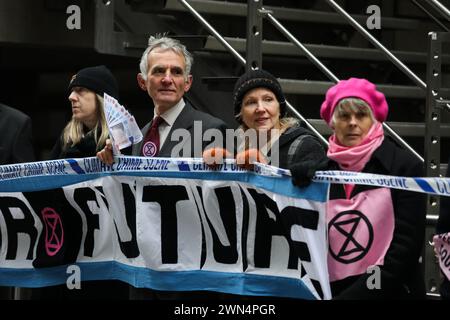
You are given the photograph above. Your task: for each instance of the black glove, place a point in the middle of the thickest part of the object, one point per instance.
(303, 172)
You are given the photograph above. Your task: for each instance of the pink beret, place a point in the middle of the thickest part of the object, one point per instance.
(354, 88)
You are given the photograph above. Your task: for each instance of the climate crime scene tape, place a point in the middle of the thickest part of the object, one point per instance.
(436, 186)
(123, 164)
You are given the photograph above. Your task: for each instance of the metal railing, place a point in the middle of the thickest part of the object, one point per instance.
(268, 14)
(440, 8)
(243, 61)
(428, 13)
(332, 77)
(311, 57)
(383, 49)
(434, 106)
(213, 31)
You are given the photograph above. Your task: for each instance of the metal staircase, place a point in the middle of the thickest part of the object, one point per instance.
(115, 32)
(299, 78)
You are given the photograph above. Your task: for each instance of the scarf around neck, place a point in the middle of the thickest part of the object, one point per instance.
(355, 158)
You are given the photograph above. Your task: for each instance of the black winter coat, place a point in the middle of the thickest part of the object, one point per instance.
(297, 145)
(87, 147)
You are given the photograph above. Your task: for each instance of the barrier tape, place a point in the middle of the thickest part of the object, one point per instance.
(92, 165)
(436, 186)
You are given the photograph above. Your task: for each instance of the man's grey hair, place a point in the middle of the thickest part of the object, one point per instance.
(165, 43)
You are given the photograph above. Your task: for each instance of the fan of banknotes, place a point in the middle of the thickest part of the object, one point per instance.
(123, 129)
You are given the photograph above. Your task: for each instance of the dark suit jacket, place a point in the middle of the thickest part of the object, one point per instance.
(15, 132)
(186, 120)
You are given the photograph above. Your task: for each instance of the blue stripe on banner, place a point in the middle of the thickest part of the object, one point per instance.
(234, 283)
(75, 166)
(424, 185)
(281, 185)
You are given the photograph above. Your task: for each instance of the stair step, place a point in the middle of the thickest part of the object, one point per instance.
(291, 86)
(287, 49)
(404, 129)
(310, 87)
(281, 13)
(321, 51)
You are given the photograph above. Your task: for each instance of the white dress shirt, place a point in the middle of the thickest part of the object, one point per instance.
(170, 116)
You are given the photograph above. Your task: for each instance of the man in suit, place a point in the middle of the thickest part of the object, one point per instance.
(165, 75)
(15, 146)
(176, 128)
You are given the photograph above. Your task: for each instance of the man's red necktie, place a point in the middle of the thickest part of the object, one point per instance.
(150, 148)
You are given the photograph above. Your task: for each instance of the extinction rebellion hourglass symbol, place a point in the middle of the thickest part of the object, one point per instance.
(354, 236)
(54, 232)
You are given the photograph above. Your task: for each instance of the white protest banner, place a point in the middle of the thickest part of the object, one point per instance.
(166, 224)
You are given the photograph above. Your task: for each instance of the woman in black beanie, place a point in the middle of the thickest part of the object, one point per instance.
(87, 131)
(83, 136)
(260, 108)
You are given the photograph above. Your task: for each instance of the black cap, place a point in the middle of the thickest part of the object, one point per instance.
(98, 79)
(257, 79)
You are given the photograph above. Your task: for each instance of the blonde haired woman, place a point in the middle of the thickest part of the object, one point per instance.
(83, 136)
(87, 131)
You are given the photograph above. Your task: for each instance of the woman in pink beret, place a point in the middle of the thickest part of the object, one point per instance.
(376, 234)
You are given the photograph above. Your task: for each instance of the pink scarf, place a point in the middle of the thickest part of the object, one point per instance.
(355, 158)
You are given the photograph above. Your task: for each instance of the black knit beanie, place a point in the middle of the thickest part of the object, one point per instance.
(257, 79)
(98, 79)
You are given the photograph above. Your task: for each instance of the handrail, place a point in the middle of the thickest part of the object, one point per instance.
(330, 75)
(441, 8)
(436, 20)
(315, 61)
(309, 125)
(243, 61)
(213, 31)
(390, 56)
(377, 44)
(307, 53)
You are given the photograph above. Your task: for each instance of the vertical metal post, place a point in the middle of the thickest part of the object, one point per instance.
(433, 115)
(432, 154)
(104, 26)
(254, 35)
